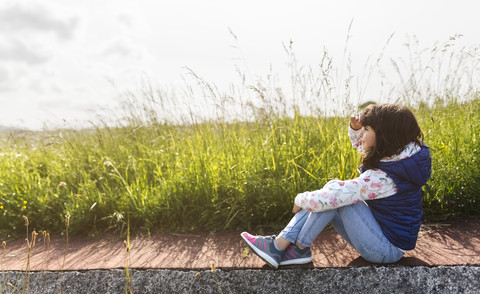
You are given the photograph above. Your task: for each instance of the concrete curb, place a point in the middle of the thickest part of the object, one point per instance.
(373, 279)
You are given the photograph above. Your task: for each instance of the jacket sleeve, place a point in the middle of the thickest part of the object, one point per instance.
(355, 138)
(372, 184)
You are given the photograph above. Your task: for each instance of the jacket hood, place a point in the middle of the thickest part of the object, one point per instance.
(415, 169)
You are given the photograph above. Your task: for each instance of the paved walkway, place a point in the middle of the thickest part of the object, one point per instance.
(454, 243)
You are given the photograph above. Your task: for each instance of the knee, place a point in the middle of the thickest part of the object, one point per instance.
(345, 210)
(357, 207)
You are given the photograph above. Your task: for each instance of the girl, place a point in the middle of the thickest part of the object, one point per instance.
(379, 213)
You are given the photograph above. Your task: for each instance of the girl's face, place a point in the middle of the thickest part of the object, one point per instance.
(368, 138)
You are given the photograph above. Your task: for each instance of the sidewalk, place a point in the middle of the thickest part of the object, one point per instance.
(455, 243)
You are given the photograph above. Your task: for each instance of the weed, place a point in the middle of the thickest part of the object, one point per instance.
(46, 249)
(217, 280)
(60, 280)
(193, 282)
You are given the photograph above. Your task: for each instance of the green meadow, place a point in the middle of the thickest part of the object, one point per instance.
(212, 176)
(155, 175)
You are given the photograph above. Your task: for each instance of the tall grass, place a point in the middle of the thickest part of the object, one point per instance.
(452, 131)
(235, 159)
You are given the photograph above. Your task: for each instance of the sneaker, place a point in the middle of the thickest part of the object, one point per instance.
(264, 247)
(296, 255)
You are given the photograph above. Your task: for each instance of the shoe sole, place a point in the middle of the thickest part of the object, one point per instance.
(265, 257)
(303, 260)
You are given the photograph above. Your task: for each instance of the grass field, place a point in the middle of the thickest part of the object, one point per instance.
(217, 174)
(212, 176)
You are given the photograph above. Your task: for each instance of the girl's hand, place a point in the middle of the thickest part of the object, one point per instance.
(355, 123)
(296, 208)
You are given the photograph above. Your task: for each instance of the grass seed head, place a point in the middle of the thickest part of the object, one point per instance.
(67, 220)
(212, 266)
(34, 238)
(126, 245)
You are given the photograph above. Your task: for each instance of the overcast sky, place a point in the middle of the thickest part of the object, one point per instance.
(64, 59)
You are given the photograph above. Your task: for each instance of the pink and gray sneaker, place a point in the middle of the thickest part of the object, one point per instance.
(264, 247)
(296, 255)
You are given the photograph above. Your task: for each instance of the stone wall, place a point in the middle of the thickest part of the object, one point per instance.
(441, 279)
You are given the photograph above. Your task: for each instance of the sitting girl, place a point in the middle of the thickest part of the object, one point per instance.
(379, 213)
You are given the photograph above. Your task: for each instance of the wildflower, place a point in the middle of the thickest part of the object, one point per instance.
(245, 252)
(108, 163)
(62, 184)
(1, 206)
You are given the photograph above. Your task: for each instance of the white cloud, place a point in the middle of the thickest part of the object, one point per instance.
(4, 78)
(125, 19)
(18, 51)
(32, 34)
(57, 57)
(36, 18)
(123, 48)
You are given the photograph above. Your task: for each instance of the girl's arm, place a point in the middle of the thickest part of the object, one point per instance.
(355, 129)
(372, 184)
(355, 138)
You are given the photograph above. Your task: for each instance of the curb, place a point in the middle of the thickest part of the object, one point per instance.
(373, 279)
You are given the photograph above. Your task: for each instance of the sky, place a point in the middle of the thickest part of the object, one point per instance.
(65, 62)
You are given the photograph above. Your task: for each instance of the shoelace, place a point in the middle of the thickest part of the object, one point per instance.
(270, 237)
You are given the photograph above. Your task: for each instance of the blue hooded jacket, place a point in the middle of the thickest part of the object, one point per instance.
(399, 215)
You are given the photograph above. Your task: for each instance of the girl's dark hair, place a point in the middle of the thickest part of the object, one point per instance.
(395, 127)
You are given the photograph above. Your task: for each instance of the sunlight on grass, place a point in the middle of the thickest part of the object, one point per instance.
(240, 167)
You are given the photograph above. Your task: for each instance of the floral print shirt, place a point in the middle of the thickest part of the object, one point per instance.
(372, 184)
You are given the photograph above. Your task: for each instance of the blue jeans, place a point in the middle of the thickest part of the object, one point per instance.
(355, 223)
